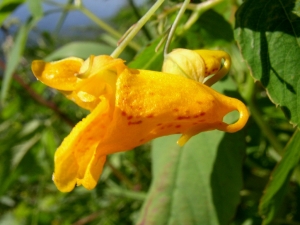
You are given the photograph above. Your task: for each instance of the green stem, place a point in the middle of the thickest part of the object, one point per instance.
(174, 25)
(137, 27)
(198, 10)
(107, 27)
(138, 15)
(62, 19)
(258, 117)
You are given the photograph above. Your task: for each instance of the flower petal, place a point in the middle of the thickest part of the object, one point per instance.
(212, 60)
(74, 156)
(151, 104)
(59, 74)
(99, 75)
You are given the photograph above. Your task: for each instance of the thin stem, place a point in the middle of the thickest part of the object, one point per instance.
(138, 15)
(107, 27)
(122, 177)
(136, 29)
(174, 25)
(257, 116)
(62, 19)
(198, 10)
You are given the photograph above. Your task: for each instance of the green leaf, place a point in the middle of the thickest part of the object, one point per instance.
(14, 57)
(148, 59)
(13, 60)
(21, 149)
(268, 35)
(81, 49)
(7, 7)
(212, 29)
(35, 8)
(276, 188)
(190, 183)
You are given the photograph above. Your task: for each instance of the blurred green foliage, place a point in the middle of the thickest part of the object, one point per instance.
(251, 177)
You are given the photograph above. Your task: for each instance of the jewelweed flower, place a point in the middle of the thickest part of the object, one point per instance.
(198, 64)
(128, 107)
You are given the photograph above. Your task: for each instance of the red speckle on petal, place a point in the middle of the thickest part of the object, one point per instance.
(129, 117)
(200, 114)
(178, 126)
(123, 113)
(135, 122)
(159, 124)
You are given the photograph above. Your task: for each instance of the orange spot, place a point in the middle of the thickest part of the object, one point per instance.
(159, 124)
(178, 126)
(175, 110)
(150, 116)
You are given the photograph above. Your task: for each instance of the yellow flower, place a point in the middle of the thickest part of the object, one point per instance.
(128, 108)
(197, 64)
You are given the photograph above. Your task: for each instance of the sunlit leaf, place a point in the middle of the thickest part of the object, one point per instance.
(268, 35)
(7, 7)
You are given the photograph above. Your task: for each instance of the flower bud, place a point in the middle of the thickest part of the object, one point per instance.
(185, 62)
(204, 66)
